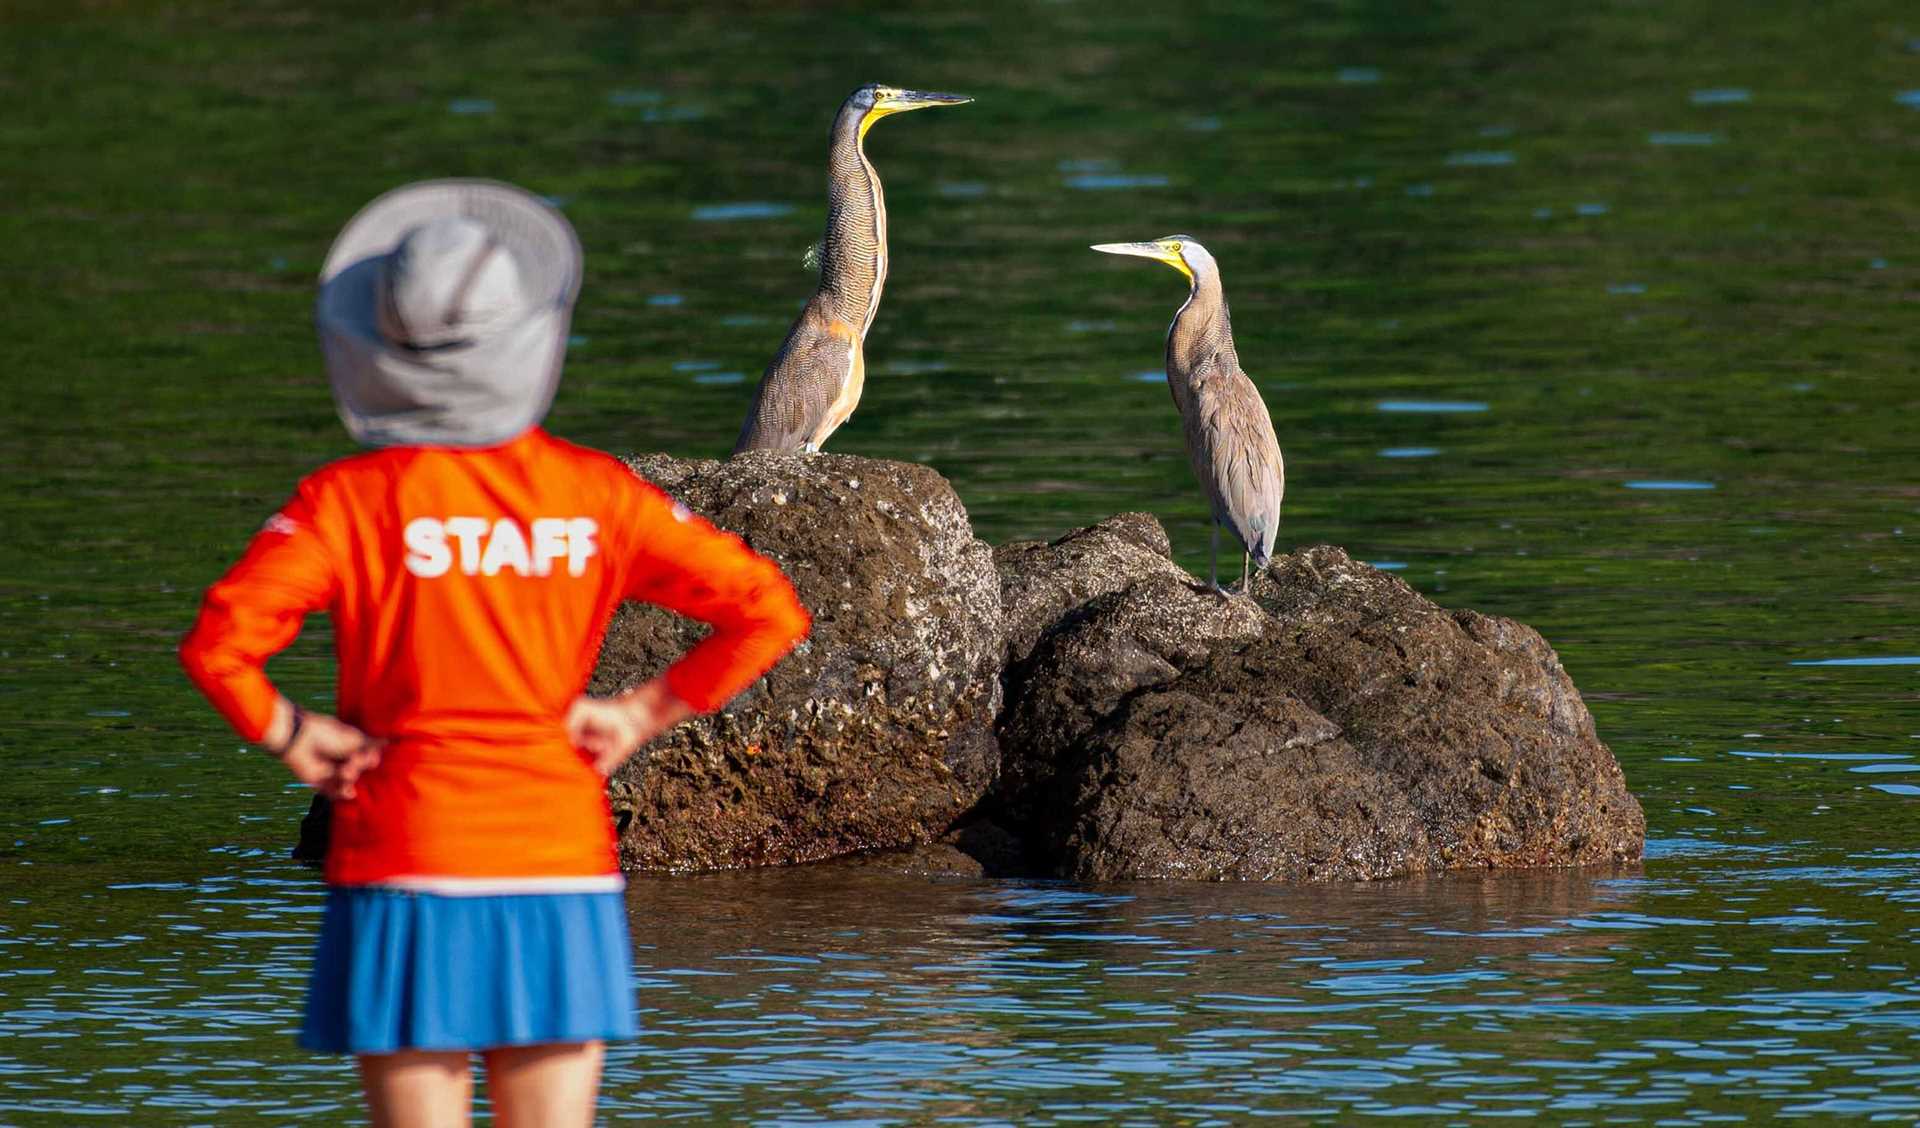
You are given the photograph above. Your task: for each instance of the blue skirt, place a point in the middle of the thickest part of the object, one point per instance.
(400, 970)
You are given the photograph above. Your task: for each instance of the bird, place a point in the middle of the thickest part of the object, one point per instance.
(814, 381)
(1230, 439)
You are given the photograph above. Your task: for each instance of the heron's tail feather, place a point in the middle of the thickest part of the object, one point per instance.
(1260, 546)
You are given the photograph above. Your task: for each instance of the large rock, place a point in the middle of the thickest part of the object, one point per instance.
(1337, 725)
(1264, 789)
(1080, 672)
(976, 849)
(1041, 582)
(1473, 715)
(878, 730)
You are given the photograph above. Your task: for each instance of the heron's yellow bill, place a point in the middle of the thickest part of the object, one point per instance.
(1160, 250)
(896, 101)
(887, 100)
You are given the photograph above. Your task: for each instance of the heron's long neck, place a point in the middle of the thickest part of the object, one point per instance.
(853, 261)
(1201, 329)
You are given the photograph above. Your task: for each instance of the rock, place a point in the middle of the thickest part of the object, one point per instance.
(878, 730)
(1265, 789)
(1335, 726)
(1081, 672)
(1472, 714)
(1041, 581)
(316, 832)
(978, 849)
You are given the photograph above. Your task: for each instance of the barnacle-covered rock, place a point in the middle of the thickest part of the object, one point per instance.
(878, 730)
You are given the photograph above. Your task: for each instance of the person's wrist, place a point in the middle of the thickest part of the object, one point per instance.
(668, 707)
(296, 721)
(640, 702)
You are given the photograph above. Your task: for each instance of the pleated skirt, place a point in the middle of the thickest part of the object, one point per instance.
(403, 970)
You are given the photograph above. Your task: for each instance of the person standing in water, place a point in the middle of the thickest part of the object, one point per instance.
(470, 563)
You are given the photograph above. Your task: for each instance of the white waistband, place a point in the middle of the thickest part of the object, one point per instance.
(500, 886)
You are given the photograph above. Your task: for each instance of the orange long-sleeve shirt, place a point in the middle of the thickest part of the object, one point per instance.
(469, 590)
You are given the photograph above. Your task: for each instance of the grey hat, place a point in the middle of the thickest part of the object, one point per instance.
(443, 313)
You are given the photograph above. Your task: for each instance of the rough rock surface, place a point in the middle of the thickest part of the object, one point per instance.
(1472, 716)
(878, 731)
(1080, 672)
(1042, 581)
(1176, 786)
(978, 849)
(1337, 725)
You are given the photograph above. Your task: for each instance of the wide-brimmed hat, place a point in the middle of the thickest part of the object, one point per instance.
(443, 313)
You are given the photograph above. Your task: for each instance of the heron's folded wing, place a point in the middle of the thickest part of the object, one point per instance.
(798, 389)
(1238, 457)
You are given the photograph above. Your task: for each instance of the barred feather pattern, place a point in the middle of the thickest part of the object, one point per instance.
(802, 397)
(853, 259)
(1231, 443)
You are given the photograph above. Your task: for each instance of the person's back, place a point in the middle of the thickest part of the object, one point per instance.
(468, 590)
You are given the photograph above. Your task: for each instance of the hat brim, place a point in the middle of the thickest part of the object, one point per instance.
(480, 394)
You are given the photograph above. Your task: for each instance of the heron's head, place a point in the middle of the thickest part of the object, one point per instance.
(1182, 252)
(875, 101)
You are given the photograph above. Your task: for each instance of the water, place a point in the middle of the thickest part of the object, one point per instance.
(1711, 990)
(1746, 649)
(717, 213)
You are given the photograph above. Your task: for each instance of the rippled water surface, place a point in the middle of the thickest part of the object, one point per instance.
(1599, 316)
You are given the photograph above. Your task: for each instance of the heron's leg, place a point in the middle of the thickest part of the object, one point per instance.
(1213, 560)
(1246, 559)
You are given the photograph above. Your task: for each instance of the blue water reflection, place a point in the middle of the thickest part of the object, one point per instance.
(1683, 138)
(847, 994)
(1432, 407)
(1481, 159)
(1103, 181)
(752, 209)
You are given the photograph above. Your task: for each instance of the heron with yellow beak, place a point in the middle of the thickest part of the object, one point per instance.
(1230, 439)
(815, 379)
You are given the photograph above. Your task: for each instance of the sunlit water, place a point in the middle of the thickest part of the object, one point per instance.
(1705, 991)
(1599, 318)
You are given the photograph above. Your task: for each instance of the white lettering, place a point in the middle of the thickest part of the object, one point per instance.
(549, 543)
(468, 531)
(427, 554)
(507, 548)
(486, 548)
(580, 544)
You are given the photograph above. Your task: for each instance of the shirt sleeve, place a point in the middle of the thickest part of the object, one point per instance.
(255, 610)
(684, 564)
